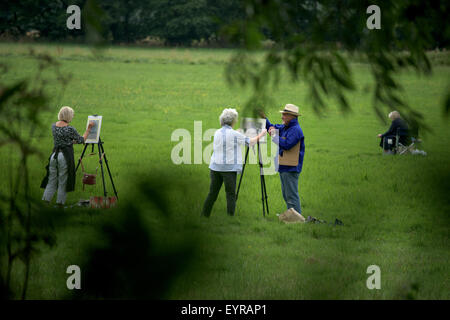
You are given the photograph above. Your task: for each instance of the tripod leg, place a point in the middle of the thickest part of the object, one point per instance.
(101, 166)
(261, 178)
(242, 174)
(262, 198)
(82, 155)
(109, 172)
(265, 193)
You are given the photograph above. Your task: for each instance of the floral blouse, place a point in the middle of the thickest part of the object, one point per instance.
(65, 136)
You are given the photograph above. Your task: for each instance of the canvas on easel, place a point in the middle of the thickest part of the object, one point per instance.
(94, 139)
(94, 134)
(251, 127)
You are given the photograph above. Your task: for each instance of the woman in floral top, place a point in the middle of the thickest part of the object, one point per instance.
(61, 167)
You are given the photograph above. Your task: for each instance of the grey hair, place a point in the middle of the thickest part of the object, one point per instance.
(66, 114)
(228, 116)
(394, 115)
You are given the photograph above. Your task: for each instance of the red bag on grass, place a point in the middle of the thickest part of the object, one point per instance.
(102, 202)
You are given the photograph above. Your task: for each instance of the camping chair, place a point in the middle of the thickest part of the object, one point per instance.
(408, 147)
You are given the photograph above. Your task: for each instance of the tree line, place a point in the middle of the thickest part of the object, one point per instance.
(181, 22)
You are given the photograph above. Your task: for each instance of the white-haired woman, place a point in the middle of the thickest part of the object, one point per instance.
(61, 166)
(226, 161)
(398, 126)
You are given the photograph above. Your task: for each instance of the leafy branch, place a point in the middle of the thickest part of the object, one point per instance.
(24, 223)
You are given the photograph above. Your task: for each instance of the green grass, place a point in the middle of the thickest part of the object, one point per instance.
(395, 209)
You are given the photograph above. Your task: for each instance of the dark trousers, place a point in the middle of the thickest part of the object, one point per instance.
(384, 142)
(217, 178)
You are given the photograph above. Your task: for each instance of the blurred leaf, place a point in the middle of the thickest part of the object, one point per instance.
(447, 103)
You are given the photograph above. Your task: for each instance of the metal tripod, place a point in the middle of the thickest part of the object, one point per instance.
(265, 204)
(101, 151)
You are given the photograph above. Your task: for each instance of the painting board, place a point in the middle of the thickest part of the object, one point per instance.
(94, 134)
(251, 127)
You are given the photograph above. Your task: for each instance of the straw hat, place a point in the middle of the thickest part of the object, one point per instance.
(291, 109)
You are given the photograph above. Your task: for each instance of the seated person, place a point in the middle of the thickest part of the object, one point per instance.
(398, 126)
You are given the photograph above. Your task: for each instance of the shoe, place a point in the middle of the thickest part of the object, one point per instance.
(83, 203)
(311, 219)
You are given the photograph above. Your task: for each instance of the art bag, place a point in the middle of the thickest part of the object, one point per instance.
(89, 178)
(290, 157)
(102, 202)
(291, 216)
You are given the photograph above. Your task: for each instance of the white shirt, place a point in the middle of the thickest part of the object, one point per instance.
(227, 152)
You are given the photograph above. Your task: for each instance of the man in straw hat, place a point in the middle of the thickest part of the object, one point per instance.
(290, 139)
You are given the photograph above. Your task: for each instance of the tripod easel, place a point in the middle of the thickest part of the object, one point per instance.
(265, 205)
(101, 151)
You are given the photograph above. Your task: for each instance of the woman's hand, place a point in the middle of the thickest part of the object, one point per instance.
(90, 125)
(263, 133)
(255, 139)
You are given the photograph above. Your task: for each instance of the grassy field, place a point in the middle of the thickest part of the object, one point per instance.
(395, 209)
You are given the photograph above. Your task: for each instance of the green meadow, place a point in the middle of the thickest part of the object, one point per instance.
(395, 209)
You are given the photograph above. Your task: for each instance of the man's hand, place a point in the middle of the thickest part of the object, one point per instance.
(379, 135)
(272, 131)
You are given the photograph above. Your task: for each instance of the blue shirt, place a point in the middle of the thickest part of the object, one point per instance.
(227, 152)
(288, 136)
